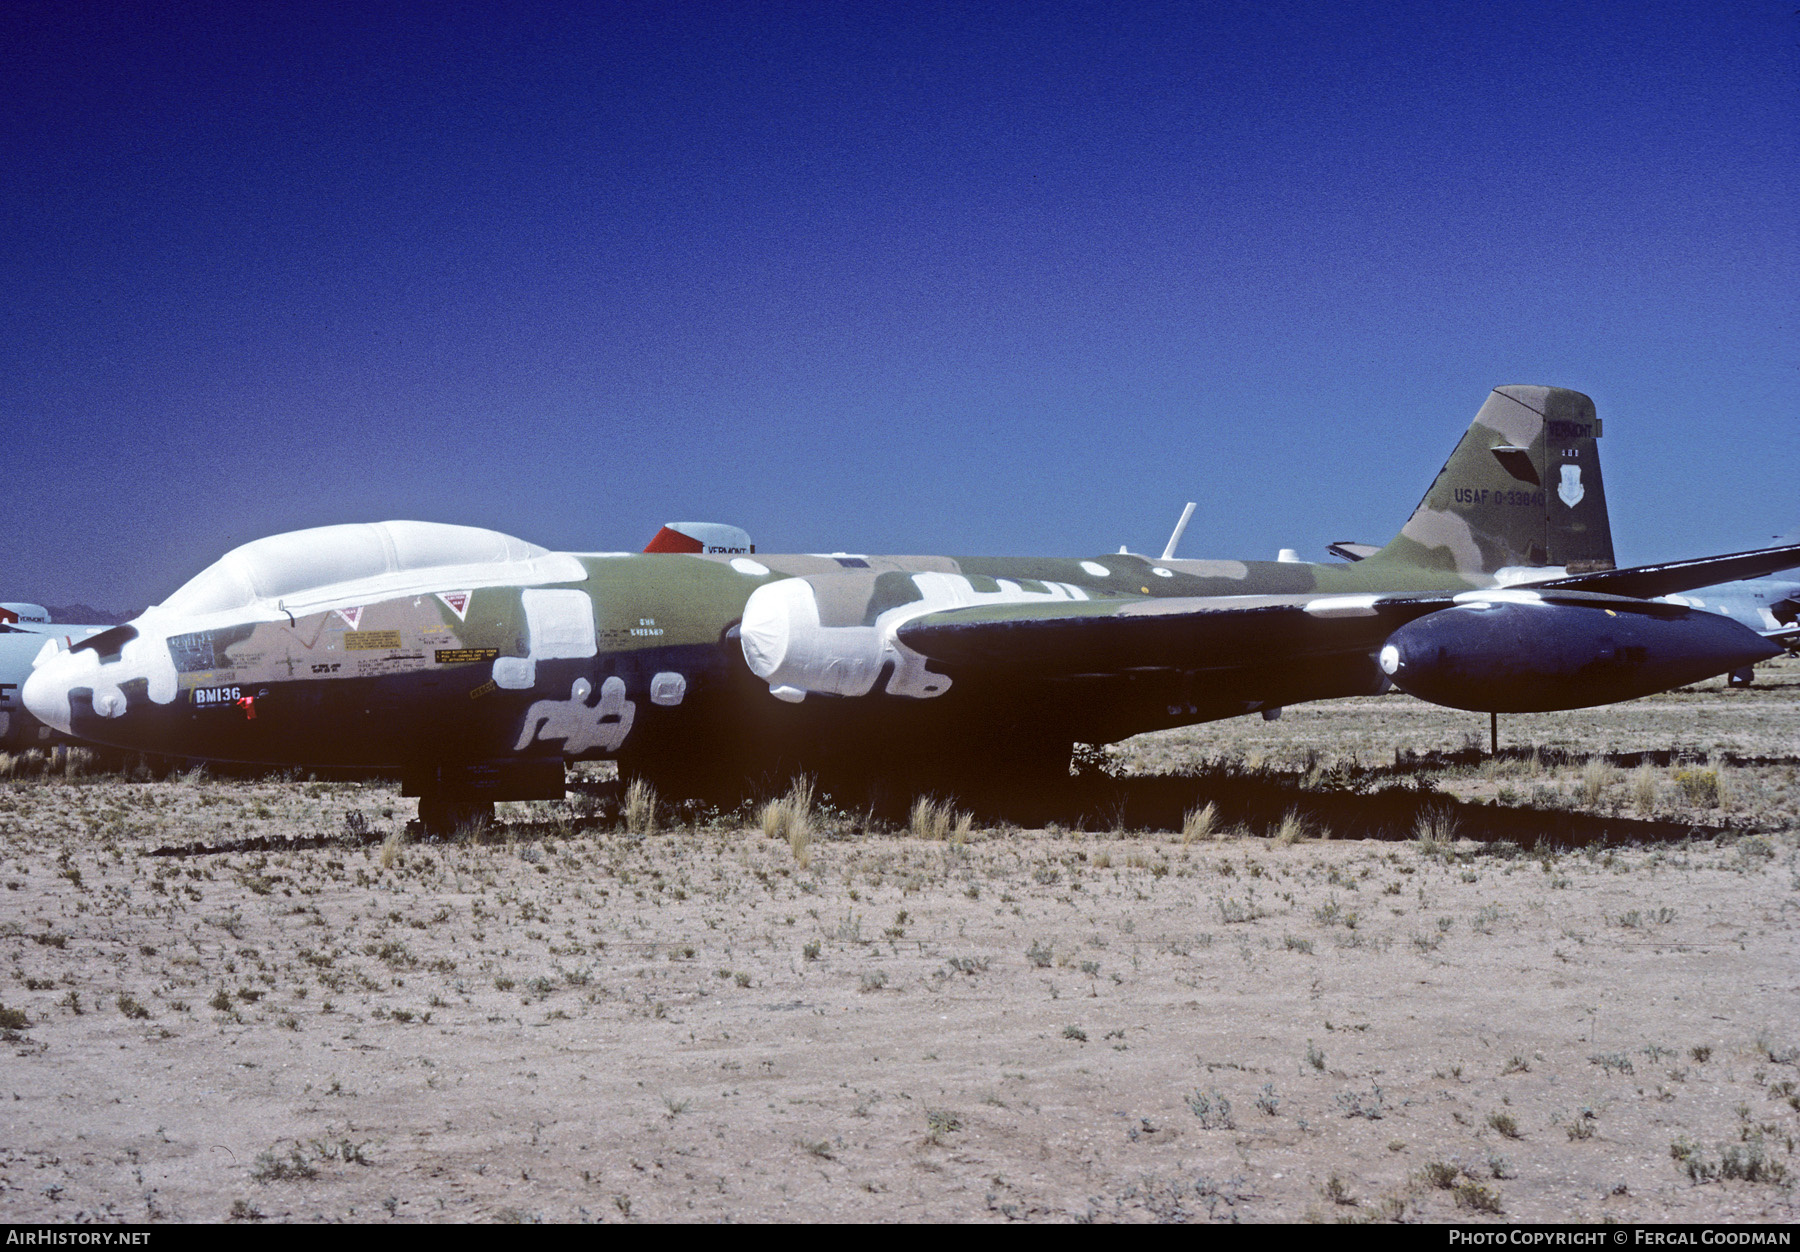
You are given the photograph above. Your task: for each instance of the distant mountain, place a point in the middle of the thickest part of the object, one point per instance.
(85, 615)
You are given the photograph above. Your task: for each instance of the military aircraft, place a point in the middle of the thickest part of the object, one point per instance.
(23, 628)
(1769, 606)
(476, 665)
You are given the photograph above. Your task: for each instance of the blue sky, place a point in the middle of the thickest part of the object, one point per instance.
(914, 278)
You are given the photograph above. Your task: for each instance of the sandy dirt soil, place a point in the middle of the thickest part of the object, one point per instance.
(569, 1022)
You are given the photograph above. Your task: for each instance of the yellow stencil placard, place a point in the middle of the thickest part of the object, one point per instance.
(465, 656)
(370, 640)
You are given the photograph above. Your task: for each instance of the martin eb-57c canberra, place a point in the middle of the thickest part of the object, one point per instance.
(476, 665)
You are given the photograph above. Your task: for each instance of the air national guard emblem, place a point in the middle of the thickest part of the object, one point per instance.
(1570, 490)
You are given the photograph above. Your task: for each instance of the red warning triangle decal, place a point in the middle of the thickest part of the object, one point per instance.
(457, 601)
(352, 616)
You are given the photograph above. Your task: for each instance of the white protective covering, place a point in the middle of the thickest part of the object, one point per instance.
(308, 571)
(785, 644)
(561, 623)
(668, 688)
(285, 566)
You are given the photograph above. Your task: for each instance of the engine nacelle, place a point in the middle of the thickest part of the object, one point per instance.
(822, 633)
(785, 643)
(1523, 655)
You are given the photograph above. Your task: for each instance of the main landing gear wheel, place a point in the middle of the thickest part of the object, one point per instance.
(443, 819)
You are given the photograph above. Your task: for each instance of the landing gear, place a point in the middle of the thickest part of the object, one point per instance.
(442, 818)
(457, 796)
(1742, 677)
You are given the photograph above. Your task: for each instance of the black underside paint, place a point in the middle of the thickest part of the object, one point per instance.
(450, 732)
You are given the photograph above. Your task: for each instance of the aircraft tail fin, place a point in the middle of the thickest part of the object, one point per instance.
(1523, 488)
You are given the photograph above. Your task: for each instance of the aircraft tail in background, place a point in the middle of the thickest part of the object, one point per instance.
(715, 537)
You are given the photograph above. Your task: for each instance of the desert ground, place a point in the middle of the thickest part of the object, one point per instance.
(1385, 977)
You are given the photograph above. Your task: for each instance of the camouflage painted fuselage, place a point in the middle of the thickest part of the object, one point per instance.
(408, 682)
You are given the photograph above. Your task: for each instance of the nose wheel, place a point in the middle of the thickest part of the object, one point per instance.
(441, 818)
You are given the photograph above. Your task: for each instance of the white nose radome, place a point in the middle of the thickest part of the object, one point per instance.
(57, 671)
(46, 690)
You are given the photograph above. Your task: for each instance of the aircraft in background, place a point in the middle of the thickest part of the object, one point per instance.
(476, 664)
(710, 537)
(1769, 606)
(23, 629)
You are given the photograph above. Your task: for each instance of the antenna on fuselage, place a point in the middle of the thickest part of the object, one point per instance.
(1169, 552)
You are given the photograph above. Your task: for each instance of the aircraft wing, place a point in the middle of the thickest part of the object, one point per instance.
(1069, 639)
(1674, 577)
(1508, 650)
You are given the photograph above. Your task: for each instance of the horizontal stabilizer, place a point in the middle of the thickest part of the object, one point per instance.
(1673, 577)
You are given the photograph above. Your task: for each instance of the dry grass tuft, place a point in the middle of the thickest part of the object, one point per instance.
(1435, 831)
(390, 847)
(965, 826)
(933, 819)
(1200, 824)
(640, 808)
(790, 818)
(1596, 777)
(1294, 827)
(24, 765)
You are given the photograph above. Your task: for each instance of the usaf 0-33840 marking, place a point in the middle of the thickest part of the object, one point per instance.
(477, 664)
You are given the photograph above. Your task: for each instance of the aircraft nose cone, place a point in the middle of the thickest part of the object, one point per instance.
(46, 689)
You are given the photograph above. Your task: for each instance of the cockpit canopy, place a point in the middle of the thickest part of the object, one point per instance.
(288, 565)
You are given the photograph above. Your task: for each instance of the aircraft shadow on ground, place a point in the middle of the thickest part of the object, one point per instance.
(1396, 803)
(1389, 803)
(1399, 811)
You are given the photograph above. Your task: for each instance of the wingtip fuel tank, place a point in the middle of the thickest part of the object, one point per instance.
(1518, 652)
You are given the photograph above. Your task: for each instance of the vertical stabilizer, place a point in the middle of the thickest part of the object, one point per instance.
(1523, 488)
